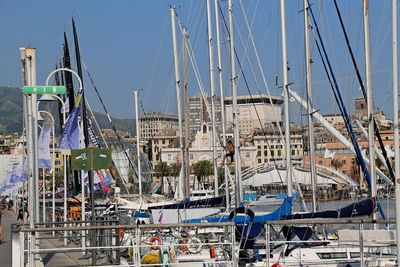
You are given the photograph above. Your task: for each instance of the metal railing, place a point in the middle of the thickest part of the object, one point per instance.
(129, 245)
(355, 246)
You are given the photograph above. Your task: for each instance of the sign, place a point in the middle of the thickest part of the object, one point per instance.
(91, 159)
(44, 90)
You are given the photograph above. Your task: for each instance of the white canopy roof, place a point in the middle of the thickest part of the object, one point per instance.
(300, 176)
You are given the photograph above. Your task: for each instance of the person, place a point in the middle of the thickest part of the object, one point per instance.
(230, 148)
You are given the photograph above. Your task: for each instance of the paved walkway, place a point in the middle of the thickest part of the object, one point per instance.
(7, 219)
(55, 259)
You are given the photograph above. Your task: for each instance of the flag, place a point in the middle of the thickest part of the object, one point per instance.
(44, 147)
(329, 154)
(70, 135)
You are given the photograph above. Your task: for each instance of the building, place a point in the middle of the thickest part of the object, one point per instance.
(153, 123)
(271, 146)
(198, 114)
(254, 112)
(201, 150)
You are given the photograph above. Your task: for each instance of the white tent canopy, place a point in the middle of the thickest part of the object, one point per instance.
(300, 176)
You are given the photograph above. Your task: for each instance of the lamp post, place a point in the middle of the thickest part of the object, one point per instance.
(53, 172)
(65, 158)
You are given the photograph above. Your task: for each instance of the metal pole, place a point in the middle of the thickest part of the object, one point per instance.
(396, 125)
(178, 91)
(53, 217)
(286, 101)
(212, 90)
(138, 145)
(311, 151)
(221, 92)
(370, 104)
(28, 57)
(238, 172)
(186, 112)
(361, 241)
(64, 156)
(44, 196)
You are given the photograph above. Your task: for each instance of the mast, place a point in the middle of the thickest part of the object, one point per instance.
(396, 124)
(138, 145)
(238, 171)
(212, 89)
(186, 110)
(311, 151)
(286, 100)
(178, 93)
(221, 92)
(370, 104)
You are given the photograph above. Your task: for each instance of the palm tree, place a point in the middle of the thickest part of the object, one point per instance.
(337, 164)
(161, 170)
(202, 169)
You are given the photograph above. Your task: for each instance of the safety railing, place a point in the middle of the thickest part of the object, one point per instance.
(128, 245)
(307, 242)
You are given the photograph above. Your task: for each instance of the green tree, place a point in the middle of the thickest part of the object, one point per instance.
(161, 170)
(202, 169)
(337, 164)
(175, 169)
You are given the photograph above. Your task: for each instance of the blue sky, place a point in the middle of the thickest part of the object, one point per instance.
(127, 46)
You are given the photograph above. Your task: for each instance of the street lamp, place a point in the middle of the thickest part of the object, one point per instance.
(65, 158)
(53, 171)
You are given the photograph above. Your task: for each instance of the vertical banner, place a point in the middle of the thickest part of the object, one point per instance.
(70, 136)
(44, 147)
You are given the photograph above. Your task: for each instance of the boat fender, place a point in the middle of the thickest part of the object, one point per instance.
(212, 252)
(242, 210)
(194, 245)
(276, 264)
(156, 242)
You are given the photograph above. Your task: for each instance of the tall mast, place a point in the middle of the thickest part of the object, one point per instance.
(212, 89)
(186, 110)
(286, 100)
(178, 93)
(138, 146)
(370, 104)
(238, 171)
(396, 123)
(221, 92)
(311, 151)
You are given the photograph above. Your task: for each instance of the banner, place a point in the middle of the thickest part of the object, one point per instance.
(70, 135)
(44, 147)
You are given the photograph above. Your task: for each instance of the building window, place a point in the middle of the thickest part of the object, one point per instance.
(259, 160)
(57, 162)
(169, 156)
(279, 153)
(258, 153)
(247, 155)
(163, 142)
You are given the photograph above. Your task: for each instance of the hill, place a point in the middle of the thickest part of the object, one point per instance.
(11, 114)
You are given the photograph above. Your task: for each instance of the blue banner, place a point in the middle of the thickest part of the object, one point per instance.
(70, 135)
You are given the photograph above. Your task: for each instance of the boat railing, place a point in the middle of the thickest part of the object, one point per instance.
(357, 240)
(126, 245)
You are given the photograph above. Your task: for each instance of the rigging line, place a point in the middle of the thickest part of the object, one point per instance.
(361, 83)
(258, 61)
(196, 71)
(151, 77)
(251, 97)
(109, 119)
(346, 117)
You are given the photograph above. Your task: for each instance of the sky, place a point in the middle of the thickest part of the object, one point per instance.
(127, 46)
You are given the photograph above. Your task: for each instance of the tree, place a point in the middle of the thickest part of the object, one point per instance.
(161, 170)
(202, 169)
(336, 164)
